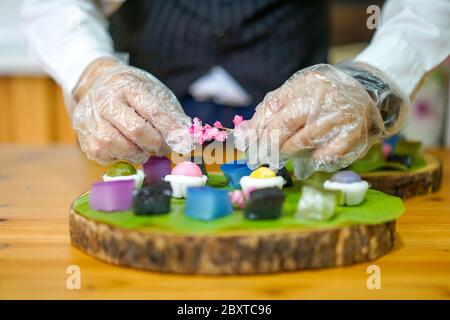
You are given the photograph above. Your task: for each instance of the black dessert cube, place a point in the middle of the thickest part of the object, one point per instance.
(283, 172)
(264, 203)
(153, 200)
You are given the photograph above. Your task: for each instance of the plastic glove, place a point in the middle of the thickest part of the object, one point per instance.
(126, 113)
(324, 118)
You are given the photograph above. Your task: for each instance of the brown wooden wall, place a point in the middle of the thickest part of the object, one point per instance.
(32, 111)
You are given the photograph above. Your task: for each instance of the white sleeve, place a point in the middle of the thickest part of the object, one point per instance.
(413, 39)
(66, 36)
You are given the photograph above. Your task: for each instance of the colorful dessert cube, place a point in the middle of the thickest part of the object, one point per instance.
(155, 169)
(286, 175)
(234, 171)
(198, 160)
(412, 151)
(264, 203)
(393, 140)
(405, 160)
(237, 198)
(112, 195)
(185, 174)
(263, 173)
(121, 168)
(261, 178)
(316, 204)
(153, 200)
(350, 184)
(206, 203)
(124, 171)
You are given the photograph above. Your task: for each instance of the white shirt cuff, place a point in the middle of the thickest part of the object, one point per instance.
(398, 61)
(72, 72)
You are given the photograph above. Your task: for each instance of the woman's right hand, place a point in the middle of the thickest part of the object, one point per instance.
(126, 113)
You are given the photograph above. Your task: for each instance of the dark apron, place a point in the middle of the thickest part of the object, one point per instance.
(261, 43)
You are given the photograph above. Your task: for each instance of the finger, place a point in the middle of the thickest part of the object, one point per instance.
(287, 121)
(304, 106)
(117, 145)
(313, 135)
(159, 106)
(134, 127)
(269, 113)
(272, 103)
(346, 141)
(95, 149)
(101, 141)
(85, 123)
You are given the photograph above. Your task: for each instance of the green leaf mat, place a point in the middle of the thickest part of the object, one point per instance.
(374, 161)
(377, 208)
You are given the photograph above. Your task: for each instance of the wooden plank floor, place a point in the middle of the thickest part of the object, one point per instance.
(37, 185)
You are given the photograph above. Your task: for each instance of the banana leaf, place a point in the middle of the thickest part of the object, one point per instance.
(374, 159)
(414, 149)
(376, 208)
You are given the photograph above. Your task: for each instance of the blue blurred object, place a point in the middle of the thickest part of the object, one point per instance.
(207, 203)
(234, 171)
(209, 111)
(393, 140)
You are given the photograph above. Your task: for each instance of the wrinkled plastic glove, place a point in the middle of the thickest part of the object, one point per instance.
(126, 113)
(324, 118)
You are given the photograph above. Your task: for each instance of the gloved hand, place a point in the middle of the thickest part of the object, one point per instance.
(126, 113)
(324, 118)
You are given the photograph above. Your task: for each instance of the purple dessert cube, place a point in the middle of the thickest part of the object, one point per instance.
(155, 169)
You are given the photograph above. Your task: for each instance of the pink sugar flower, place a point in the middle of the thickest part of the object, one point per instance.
(248, 191)
(210, 133)
(196, 120)
(237, 199)
(197, 131)
(218, 125)
(238, 120)
(221, 136)
(199, 138)
(196, 126)
(207, 132)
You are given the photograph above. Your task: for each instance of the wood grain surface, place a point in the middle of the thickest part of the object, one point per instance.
(238, 252)
(37, 186)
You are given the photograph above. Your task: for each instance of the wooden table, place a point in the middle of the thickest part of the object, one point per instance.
(37, 186)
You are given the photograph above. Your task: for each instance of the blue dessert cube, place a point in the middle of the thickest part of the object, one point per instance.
(206, 203)
(234, 171)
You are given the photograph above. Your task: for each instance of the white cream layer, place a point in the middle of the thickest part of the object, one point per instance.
(260, 183)
(138, 178)
(179, 184)
(354, 192)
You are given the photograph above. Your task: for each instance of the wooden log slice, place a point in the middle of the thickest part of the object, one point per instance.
(252, 252)
(408, 184)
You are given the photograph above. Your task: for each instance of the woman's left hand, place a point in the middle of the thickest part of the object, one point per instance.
(322, 117)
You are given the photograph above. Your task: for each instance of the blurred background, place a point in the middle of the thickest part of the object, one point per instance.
(32, 107)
